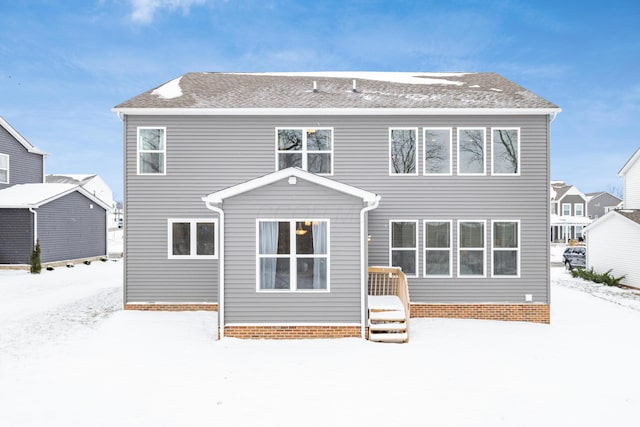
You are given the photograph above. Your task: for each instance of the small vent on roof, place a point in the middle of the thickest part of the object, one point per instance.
(355, 86)
(315, 86)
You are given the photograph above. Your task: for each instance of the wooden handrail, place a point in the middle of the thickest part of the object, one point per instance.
(390, 281)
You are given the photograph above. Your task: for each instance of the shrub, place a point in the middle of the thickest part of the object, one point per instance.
(34, 259)
(605, 278)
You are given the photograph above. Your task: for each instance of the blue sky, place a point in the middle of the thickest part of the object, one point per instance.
(65, 64)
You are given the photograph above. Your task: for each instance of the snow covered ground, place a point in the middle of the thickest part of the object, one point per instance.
(70, 357)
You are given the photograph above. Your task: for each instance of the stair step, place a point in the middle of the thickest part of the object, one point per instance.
(375, 327)
(387, 316)
(389, 337)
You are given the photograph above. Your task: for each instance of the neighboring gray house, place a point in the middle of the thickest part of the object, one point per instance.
(20, 162)
(69, 222)
(568, 212)
(269, 197)
(600, 203)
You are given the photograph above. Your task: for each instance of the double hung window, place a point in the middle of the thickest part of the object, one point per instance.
(437, 151)
(308, 149)
(152, 150)
(404, 246)
(403, 148)
(437, 248)
(578, 209)
(471, 151)
(4, 168)
(192, 238)
(506, 151)
(506, 248)
(566, 209)
(293, 255)
(471, 248)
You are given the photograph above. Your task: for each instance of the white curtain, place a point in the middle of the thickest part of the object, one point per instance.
(268, 245)
(319, 247)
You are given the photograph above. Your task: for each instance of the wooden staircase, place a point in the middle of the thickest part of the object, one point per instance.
(388, 304)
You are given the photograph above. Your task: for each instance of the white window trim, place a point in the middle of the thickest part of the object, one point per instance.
(391, 173)
(517, 249)
(8, 169)
(563, 205)
(575, 209)
(484, 249)
(424, 256)
(139, 151)
(484, 151)
(519, 151)
(304, 152)
(416, 248)
(424, 151)
(293, 257)
(193, 241)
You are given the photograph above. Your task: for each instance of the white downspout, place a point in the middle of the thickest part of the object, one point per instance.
(363, 266)
(220, 213)
(35, 226)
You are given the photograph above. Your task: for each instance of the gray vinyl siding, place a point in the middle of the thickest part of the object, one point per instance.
(597, 205)
(24, 167)
(16, 236)
(572, 200)
(206, 154)
(243, 304)
(68, 228)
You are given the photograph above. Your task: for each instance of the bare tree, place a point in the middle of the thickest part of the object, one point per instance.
(403, 151)
(472, 149)
(506, 151)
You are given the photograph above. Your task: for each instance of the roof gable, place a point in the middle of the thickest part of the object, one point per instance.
(630, 215)
(26, 144)
(219, 196)
(24, 196)
(630, 163)
(367, 91)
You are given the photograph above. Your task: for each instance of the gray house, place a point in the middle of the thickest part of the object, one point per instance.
(69, 222)
(287, 201)
(600, 203)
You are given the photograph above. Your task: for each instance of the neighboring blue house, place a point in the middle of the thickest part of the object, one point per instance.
(272, 198)
(69, 222)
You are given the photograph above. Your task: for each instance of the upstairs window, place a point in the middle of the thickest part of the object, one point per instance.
(566, 209)
(403, 146)
(305, 148)
(506, 151)
(404, 246)
(506, 248)
(471, 248)
(293, 255)
(437, 151)
(471, 151)
(152, 152)
(192, 238)
(4, 168)
(578, 209)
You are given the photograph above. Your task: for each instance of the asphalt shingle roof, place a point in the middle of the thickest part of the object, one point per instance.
(632, 214)
(334, 90)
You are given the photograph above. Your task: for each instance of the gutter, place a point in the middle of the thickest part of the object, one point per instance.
(35, 226)
(220, 213)
(363, 264)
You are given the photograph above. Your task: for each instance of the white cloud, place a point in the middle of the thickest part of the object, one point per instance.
(144, 10)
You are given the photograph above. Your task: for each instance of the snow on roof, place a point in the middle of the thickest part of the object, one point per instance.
(169, 90)
(32, 195)
(375, 91)
(569, 220)
(76, 179)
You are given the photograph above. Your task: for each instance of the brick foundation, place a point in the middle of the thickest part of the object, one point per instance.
(291, 332)
(537, 313)
(172, 307)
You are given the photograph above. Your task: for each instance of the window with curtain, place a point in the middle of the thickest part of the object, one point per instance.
(437, 248)
(151, 150)
(293, 255)
(192, 238)
(404, 246)
(305, 148)
(471, 248)
(506, 248)
(403, 147)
